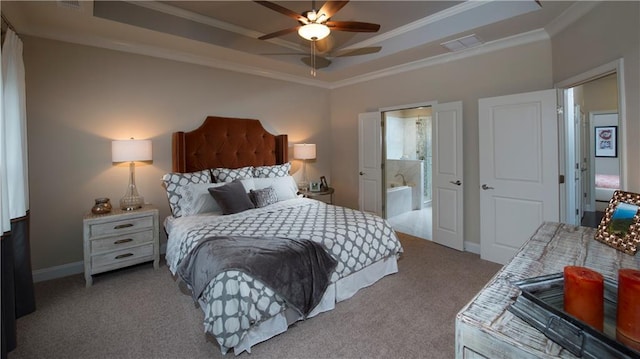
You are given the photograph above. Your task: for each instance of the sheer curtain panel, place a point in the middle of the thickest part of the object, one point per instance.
(13, 160)
(17, 280)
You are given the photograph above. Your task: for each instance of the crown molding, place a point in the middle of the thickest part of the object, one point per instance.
(516, 40)
(442, 15)
(163, 53)
(569, 16)
(192, 16)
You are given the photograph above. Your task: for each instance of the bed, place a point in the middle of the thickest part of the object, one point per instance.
(605, 186)
(240, 310)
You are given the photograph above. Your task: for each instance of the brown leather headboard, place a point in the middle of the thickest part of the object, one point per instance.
(229, 143)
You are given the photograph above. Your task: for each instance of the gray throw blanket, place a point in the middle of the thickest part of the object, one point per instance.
(298, 270)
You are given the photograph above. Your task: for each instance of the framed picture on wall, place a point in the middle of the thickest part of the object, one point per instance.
(606, 141)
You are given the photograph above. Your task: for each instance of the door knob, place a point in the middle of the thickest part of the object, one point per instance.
(361, 173)
(485, 187)
(457, 183)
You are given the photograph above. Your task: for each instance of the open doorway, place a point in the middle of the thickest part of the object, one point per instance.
(408, 170)
(443, 178)
(594, 144)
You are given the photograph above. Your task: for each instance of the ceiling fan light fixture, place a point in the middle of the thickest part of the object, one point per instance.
(314, 32)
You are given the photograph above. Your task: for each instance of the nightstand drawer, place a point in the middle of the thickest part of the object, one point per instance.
(121, 242)
(120, 239)
(124, 225)
(118, 259)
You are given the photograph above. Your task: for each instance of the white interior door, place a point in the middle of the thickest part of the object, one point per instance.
(518, 170)
(579, 196)
(370, 162)
(447, 175)
(571, 142)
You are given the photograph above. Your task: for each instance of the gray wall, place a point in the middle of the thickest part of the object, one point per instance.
(607, 33)
(518, 69)
(79, 98)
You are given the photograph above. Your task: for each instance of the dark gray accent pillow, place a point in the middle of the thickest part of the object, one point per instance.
(263, 197)
(232, 198)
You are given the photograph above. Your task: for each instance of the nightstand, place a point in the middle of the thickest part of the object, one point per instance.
(312, 194)
(120, 239)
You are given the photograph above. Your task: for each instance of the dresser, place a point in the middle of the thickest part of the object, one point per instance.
(486, 329)
(120, 239)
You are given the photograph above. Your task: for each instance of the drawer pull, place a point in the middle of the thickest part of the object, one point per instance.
(124, 255)
(123, 226)
(126, 240)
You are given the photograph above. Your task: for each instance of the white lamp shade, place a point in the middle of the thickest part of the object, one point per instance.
(131, 150)
(314, 32)
(304, 151)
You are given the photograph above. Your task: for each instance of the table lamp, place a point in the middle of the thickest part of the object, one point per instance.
(304, 152)
(129, 151)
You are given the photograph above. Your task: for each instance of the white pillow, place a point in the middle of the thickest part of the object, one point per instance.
(285, 187)
(174, 181)
(248, 184)
(196, 199)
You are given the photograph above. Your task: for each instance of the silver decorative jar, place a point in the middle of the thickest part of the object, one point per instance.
(102, 206)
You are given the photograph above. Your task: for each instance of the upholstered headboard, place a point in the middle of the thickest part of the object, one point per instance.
(229, 143)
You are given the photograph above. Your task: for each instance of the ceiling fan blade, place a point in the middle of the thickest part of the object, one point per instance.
(331, 7)
(284, 54)
(282, 10)
(353, 26)
(321, 62)
(279, 33)
(357, 52)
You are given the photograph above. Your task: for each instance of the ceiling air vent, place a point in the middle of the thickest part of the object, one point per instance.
(462, 43)
(70, 4)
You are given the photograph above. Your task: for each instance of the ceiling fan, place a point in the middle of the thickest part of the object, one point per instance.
(315, 25)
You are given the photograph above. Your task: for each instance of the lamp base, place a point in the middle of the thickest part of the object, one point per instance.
(131, 199)
(130, 203)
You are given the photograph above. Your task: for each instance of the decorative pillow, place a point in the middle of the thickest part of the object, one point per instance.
(196, 199)
(231, 174)
(272, 171)
(263, 197)
(173, 181)
(285, 187)
(232, 197)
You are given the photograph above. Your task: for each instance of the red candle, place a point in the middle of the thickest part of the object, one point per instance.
(584, 295)
(628, 316)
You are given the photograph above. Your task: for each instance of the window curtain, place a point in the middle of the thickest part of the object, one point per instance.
(14, 196)
(17, 281)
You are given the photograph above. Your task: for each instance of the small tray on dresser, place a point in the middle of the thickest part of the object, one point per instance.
(541, 305)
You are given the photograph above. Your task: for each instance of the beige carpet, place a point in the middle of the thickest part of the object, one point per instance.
(141, 313)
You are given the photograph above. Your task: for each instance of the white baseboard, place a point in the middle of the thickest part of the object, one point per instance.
(60, 271)
(472, 247)
(65, 270)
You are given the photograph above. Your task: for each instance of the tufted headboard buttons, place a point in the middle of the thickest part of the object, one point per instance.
(229, 143)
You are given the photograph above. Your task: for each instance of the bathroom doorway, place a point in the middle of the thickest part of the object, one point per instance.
(408, 170)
